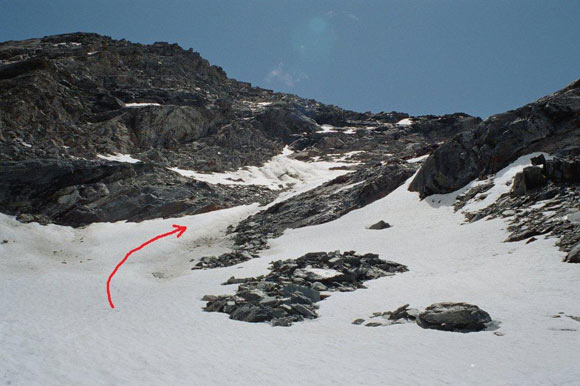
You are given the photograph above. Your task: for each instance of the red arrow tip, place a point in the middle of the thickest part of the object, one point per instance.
(181, 230)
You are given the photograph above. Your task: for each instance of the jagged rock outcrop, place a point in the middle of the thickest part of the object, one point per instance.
(81, 192)
(79, 95)
(530, 178)
(551, 124)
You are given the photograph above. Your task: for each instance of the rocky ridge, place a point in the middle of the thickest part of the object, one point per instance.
(550, 124)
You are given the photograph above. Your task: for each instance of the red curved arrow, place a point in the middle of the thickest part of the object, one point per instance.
(179, 230)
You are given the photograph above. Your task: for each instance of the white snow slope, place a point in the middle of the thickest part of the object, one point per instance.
(119, 158)
(56, 327)
(282, 171)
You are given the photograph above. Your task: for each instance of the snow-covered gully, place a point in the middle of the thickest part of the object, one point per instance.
(56, 327)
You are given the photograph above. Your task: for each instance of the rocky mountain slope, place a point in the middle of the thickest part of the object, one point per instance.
(75, 105)
(67, 101)
(106, 143)
(97, 130)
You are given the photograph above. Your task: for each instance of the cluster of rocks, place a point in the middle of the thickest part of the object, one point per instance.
(249, 238)
(455, 317)
(290, 291)
(379, 138)
(544, 200)
(477, 191)
(562, 314)
(556, 170)
(401, 315)
(223, 260)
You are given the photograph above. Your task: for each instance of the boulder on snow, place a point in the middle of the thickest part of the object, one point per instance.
(574, 255)
(457, 317)
(380, 225)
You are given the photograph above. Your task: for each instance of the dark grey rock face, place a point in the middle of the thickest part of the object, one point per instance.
(530, 178)
(289, 293)
(285, 122)
(448, 169)
(562, 171)
(79, 95)
(82, 192)
(550, 124)
(457, 317)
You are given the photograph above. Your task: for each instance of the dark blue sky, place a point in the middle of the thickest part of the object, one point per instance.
(420, 57)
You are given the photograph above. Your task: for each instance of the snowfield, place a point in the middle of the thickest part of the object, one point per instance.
(405, 122)
(119, 158)
(280, 172)
(56, 327)
(141, 104)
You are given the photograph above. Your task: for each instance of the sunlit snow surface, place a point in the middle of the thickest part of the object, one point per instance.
(405, 122)
(345, 130)
(56, 327)
(119, 158)
(328, 129)
(418, 159)
(141, 104)
(280, 172)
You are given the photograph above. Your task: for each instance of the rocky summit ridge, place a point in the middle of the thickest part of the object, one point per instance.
(68, 100)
